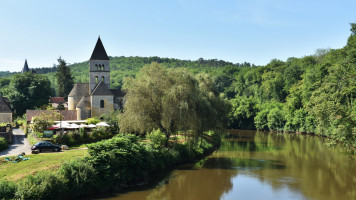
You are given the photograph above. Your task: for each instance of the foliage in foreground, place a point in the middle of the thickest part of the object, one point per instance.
(125, 160)
(3, 144)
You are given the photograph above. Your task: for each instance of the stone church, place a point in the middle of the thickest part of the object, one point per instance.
(95, 98)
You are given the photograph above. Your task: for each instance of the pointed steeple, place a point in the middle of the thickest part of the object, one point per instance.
(99, 52)
(25, 67)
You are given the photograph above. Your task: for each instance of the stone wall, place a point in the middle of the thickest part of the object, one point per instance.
(6, 117)
(83, 113)
(6, 132)
(96, 111)
(72, 102)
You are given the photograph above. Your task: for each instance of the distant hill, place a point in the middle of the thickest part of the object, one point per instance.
(121, 67)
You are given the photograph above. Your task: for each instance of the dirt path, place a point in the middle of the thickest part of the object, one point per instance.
(20, 144)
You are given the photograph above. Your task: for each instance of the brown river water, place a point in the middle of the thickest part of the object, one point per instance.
(258, 165)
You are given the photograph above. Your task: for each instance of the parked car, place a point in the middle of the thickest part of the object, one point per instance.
(45, 146)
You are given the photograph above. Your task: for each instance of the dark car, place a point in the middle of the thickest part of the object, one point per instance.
(45, 146)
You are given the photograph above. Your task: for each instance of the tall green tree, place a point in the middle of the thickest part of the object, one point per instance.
(64, 77)
(171, 100)
(28, 91)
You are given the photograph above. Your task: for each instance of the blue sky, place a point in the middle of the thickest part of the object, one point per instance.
(254, 31)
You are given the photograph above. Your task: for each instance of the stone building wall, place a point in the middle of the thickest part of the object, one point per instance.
(96, 111)
(6, 117)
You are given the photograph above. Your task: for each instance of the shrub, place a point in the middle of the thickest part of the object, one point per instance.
(32, 138)
(80, 177)
(63, 139)
(275, 119)
(3, 144)
(93, 120)
(310, 124)
(299, 120)
(261, 120)
(121, 158)
(84, 136)
(7, 189)
(43, 185)
(156, 138)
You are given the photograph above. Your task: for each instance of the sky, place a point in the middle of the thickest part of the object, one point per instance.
(254, 31)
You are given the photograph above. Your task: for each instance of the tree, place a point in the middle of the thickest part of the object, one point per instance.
(45, 120)
(171, 100)
(353, 28)
(28, 91)
(64, 77)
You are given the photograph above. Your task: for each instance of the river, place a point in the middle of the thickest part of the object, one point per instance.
(258, 165)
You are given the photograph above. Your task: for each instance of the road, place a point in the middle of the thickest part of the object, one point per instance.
(19, 145)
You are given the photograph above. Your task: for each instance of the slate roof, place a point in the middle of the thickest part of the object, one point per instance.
(101, 89)
(25, 67)
(99, 52)
(79, 90)
(68, 115)
(5, 105)
(84, 102)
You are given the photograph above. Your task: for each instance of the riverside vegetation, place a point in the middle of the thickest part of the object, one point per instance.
(123, 161)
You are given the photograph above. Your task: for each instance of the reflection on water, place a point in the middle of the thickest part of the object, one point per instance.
(257, 165)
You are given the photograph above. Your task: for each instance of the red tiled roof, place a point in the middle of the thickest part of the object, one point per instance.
(68, 115)
(57, 100)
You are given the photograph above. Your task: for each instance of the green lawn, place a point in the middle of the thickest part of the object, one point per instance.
(37, 162)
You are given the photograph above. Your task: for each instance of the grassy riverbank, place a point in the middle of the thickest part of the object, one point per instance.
(124, 161)
(37, 162)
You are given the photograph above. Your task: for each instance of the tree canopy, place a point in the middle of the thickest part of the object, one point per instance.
(64, 78)
(171, 100)
(28, 91)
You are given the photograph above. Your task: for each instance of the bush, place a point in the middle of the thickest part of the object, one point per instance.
(261, 120)
(43, 185)
(80, 177)
(7, 189)
(3, 144)
(121, 158)
(156, 138)
(275, 119)
(93, 120)
(32, 138)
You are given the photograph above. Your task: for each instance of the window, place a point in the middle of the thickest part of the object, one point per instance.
(102, 78)
(103, 67)
(101, 103)
(96, 79)
(96, 67)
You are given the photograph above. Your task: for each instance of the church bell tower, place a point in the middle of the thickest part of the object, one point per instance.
(99, 68)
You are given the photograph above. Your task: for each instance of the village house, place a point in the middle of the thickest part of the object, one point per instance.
(5, 111)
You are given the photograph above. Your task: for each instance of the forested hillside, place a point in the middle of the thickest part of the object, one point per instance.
(312, 94)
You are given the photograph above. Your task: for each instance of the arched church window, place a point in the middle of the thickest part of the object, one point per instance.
(101, 103)
(102, 78)
(96, 79)
(103, 68)
(97, 67)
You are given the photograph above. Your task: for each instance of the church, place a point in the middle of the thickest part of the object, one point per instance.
(95, 98)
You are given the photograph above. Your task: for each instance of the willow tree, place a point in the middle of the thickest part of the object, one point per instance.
(171, 100)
